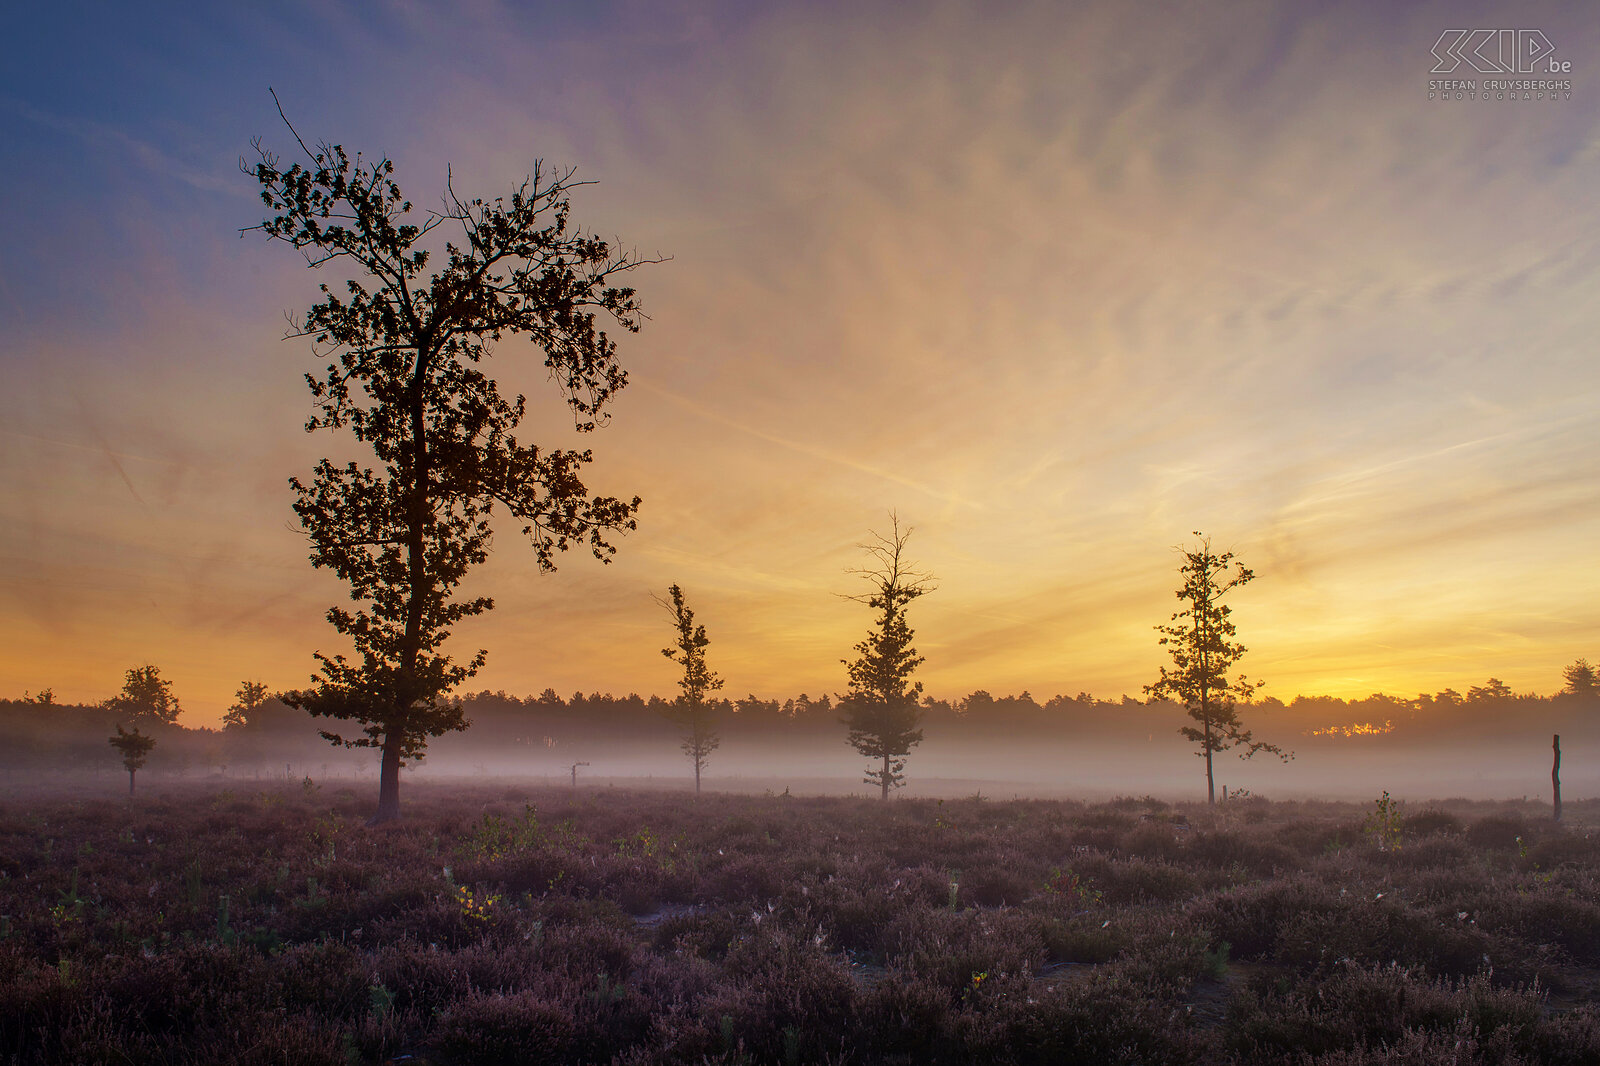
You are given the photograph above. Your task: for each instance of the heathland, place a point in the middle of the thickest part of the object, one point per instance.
(503, 923)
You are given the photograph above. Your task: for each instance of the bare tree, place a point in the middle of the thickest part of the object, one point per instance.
(1199, 640)
(880, 708)
(691, 710)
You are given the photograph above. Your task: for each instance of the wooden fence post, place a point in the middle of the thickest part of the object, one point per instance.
(1555, 775)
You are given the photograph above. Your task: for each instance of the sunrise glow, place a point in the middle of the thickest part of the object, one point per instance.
(1058, 287)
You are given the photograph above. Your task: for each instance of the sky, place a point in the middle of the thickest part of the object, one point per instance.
(1057, 284)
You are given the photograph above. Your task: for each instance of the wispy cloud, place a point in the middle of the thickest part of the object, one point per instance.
(710, 414)
(112, 141)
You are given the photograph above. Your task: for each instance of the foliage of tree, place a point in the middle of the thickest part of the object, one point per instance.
(249, 700)
(45, 698)
(145, 697)
(1581, 680)
(880, 707)
(405, 351)
(134, 748)
(1200, 640)
(690, 710)
(1490, 690)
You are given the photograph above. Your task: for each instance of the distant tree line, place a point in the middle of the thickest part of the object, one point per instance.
(42, 732)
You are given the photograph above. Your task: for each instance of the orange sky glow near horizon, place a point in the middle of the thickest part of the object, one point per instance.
(1057, 287)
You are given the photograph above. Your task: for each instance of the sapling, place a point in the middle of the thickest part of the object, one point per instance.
(134, 748)
(1384, 823)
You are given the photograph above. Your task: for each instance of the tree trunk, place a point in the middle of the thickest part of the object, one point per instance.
(132, 772)
(1211, 785)
(885, 780)
(697, 778)
(1555, 775)
(388, 781)
(418, 511)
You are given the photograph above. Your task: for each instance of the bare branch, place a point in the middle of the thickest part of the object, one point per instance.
(296, 133)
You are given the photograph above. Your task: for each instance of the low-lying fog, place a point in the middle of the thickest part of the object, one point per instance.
(1489, 752)
(1162, 767)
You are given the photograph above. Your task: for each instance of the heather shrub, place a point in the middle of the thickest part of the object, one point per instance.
(856, 907)
(706, 934)
(1541, 914)
(778, 981)
(326, 978)
(855, 919)
(175, 992)
(1107, 818)
(1152, 841)
(743, 879)
(997, 885)
(1563, 849)
(1430, 822)
(1138, 881)
(1310, 839)
(949, 948)
(420, 978)
(1355, 1013)
(535, 871)
(505, 1029)
(1497, 832)
(1251, 917)
(557, 910)
(1085, 939)
(905, 1019)
(1105, 1021)
(1448, 854)
(356, 898)
(581, 951)
(1227, 849)
(432, 918)
(1167, 965)
(35, 1001)
(1370, 931)
(638, 887)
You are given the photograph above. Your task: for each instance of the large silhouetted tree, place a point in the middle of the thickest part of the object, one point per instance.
(1199, 639)
(146, 697)
(134, 748)
(691, 710)
(405, 351)
(880, 708)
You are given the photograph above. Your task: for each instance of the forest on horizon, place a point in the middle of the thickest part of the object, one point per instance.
(548, 728)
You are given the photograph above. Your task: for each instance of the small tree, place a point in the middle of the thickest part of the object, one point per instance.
(135, 749)
(145, 697)
(45, 698)
(880, 707)
(1581, 680)
(405, 351)
(691, 710)
(1199, 639)
(250, 698)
